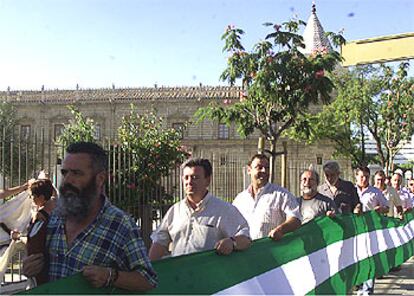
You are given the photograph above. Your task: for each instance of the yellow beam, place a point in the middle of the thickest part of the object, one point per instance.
(377, 50)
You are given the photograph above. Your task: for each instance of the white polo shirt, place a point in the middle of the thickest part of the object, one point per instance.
(371, 197)
(193, 230)
(271, 207)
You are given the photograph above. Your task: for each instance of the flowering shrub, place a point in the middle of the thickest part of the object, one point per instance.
(152, 149)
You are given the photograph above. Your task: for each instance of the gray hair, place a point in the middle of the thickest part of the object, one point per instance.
(313, 172)
(331, 165)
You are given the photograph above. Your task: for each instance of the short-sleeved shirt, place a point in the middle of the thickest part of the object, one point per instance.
(270, 208)
(111, 240)
(315, 207)
(193, 230)
(345, 197)
(393, 200)
(406, 197)
(371, 197)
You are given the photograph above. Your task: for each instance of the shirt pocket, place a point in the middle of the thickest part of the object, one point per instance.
(205, 236)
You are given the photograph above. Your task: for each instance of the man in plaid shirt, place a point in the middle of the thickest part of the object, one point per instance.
(87, 234)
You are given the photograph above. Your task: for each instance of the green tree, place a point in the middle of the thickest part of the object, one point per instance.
(278, 83)
(371, 101)
(153, 150)
(79, 128)
(7, 127)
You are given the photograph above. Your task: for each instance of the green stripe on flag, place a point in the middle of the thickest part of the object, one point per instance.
(374, 266)
(208, 273)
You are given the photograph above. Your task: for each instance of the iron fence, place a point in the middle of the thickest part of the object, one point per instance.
(22, 159)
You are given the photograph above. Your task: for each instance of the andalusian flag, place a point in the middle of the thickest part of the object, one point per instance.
(325, 256)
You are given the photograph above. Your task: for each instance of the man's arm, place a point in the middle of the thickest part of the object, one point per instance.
(129, 280)
(157, 251)
(291, 224)
(14, 190)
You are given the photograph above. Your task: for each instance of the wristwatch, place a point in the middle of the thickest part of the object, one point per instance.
(234, 243)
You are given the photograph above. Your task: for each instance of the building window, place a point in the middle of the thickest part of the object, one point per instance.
(98, 132)
(179, 126)
(58, 130)
(223, 160)
(25, 131)
(223, 131)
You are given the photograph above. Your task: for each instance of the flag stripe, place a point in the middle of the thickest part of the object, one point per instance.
(304, 274)
(346, 236)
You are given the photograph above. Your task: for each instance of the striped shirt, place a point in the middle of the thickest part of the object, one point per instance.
(272, 206)
(111, 240)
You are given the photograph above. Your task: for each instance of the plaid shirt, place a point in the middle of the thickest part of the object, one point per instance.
(111, 240)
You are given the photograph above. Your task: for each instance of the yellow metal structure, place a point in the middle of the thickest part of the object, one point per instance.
(377, 50)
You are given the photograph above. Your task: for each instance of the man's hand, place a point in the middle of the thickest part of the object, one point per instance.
(97, 276)
(331, 214)
(276, 233)
(358, 209)
(224, 246)
(33, 264)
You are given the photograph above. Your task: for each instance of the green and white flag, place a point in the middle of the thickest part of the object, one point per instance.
(325, 256)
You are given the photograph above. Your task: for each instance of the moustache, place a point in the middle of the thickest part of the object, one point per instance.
(69, 188)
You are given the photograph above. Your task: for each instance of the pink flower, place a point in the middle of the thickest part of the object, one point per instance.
(319, 74)
(227, 102)
(277, 27)
(243, 96)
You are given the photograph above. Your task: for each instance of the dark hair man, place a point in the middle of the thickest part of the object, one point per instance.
(394, 201)
(87, 233)
(371, 199)
(342, 192)
(313, 204)
(200, 221)
(269, 209)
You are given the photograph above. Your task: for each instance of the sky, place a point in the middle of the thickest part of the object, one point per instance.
(140, 43)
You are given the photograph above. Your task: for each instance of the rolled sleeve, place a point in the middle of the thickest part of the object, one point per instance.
(235, 224)
(291, 207)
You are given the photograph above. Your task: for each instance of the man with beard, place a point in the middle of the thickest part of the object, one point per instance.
(313, 204)
(269, 209)
(342, 192)
(201, 221)
(87, 233)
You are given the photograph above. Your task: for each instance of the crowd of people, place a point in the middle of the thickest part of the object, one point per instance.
(84, 232)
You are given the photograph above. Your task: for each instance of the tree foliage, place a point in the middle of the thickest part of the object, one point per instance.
(278, 82)
(371, 102)
(153, 149)
(7, 127)
(79, 128)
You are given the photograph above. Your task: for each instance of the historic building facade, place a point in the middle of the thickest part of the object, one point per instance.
(44, 113)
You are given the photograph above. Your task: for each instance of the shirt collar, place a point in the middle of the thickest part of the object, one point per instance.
(201, 205)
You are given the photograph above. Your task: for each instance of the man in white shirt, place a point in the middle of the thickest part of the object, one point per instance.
(394, 201)
(200, 221)
(405, 195)
(269, 209)
(371, 198)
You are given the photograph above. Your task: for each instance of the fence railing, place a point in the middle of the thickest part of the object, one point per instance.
(22, 159)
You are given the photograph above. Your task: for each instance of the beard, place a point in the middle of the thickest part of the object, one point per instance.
(75, 203)
(308, 190)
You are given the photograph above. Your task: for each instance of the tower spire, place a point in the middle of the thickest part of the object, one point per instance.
(314, 34)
